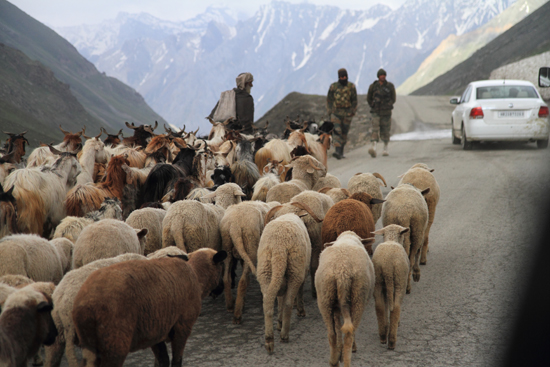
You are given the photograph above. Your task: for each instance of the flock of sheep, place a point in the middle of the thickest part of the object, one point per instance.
(112, 245)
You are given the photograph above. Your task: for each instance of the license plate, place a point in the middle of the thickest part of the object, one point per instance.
(510, 114)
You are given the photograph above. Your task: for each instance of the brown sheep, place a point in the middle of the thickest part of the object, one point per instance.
(368, 182)
(353, 214)
(114, 309)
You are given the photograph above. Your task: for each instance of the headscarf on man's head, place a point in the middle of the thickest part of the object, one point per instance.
(244, 78)
(342, 73)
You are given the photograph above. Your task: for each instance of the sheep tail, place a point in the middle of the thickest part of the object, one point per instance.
(343, 287)
(390, 289)
(237, 238)
(277, 272)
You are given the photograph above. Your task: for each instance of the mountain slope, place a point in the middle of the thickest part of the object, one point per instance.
(529, 37)
(287, 47)
(105, 98)
(455, 49)
(33, 100)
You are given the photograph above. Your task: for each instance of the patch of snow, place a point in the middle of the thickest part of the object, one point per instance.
(423, 135)
(261, 97)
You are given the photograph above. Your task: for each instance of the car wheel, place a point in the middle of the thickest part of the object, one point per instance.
(466, 145)
(456, 140)
(542, 144)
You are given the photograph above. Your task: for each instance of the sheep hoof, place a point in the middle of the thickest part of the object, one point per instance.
(301, 313)
(408, 291)
(284, 339)
(354, 347)
(416, 276)
(237, 320)
(383, 339)
(279, 325)
(270, 347)
(423, 262)
(391, 345)
(314, 294)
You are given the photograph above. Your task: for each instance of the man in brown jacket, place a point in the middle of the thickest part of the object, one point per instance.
(380, 97)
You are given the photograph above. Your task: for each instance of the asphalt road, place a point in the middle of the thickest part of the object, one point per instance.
(486, 227)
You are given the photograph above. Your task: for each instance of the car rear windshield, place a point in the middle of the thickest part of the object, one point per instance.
(506, 91)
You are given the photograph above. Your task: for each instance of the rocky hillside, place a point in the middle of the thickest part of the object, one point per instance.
(529, 37)
(286, 46)
(33, 100)
(106, 99)
(455, 49)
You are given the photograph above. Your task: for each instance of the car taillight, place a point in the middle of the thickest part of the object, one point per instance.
(476, 113)
(543, 111)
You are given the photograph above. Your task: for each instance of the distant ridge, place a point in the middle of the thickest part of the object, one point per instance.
(529, 37)
(108, 100)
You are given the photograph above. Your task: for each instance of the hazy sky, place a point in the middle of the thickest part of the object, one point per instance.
(58, 13)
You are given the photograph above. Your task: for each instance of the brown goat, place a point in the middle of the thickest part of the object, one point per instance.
(108, 312)
(83, 199)
(16, 145)
(142, 134)
(353, 214)
(8, 213)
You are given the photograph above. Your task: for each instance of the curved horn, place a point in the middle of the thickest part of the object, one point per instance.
(313, 165)
(64, 131)
(168, 130)
(10, 134)
(156, 125)
(196, 131)
(378, 175)
(133, 127)
(288, 126)
(53, 150)
(183, 129)
(211, 121)
(307, 209)
(23, 133)
(103, 129)
(270, 214)
(80, 133)
(306, 124)
(97, 137)
(226, 122)
(266, 125)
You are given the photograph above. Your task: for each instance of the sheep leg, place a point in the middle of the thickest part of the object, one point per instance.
(300, 302)
(37, 360)
(178, 344)
(346, 353)
(314, 264)
(394, 323)
(269, 304)
(338, 328)
(357, 309)
(291, 294)
(54, 352)
(229, 302)
(280, 306)
(380, 305)
(335, 352)
(241, 292)
(161, 355)
(425, 249)
(70, 351)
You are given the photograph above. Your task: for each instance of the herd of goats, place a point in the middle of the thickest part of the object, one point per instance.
(111, 245)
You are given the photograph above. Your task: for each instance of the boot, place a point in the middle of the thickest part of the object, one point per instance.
(385, 152)
(342, 151)
(372, 149)
(338, 153)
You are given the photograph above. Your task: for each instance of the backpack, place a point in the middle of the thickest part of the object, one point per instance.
(227, 107)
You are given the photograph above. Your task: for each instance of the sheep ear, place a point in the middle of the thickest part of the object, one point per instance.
(433, 169)
(368, 241)
(219, 257)
(404, 230)
(380, 231)
(392, 187)
(302, 213)
(426, 191)
(328, 244)
(376, 201)
(346, 192)
(271, 213)
(310, 171)
(142, 233)
(239, 193)
(44, 307)
(401, 175)
(211, 195)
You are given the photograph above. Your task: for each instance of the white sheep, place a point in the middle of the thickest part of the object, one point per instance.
(191, 225)
(405, 206)
(70, 227)
(34, 257)
(345, 283)
(420, 175)
(284, 254)
(391, 266)
(368, 183)
(107, 238)
(151, 219)
(241, 228)
(335, 194)
(327, 181)
(306, 171)
(311, 207)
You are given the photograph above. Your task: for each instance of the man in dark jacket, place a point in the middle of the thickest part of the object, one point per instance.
(244, 103)
(342, 105)
(380, 97)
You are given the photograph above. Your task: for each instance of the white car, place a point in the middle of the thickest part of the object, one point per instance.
(500, 110)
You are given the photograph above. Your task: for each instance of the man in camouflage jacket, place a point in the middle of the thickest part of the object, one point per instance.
(341, 107)
(380, 97)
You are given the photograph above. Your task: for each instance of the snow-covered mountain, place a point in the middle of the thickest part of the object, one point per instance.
(181, 68)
